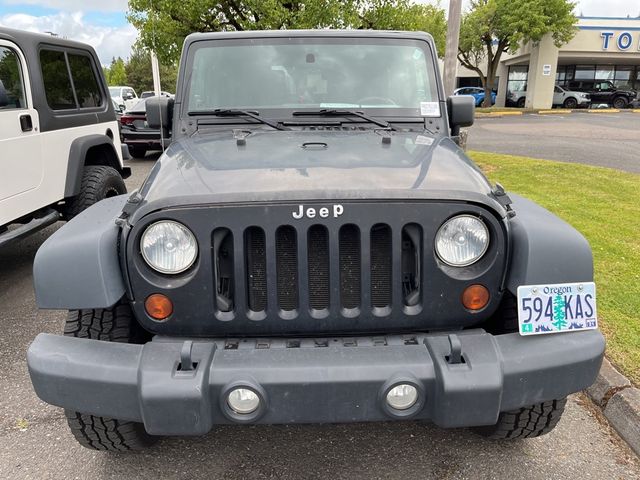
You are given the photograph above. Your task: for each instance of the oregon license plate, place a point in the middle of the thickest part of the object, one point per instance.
(564, 307)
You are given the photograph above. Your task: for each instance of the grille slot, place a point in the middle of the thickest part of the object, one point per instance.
(256, 268)
(349, 266)
(223, 264)
(318, 261)
(287, 268)
(411, 264)
(381, 266)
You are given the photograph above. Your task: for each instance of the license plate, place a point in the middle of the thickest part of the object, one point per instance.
(564, 307)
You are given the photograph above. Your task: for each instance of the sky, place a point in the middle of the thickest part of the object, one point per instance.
(103, 23)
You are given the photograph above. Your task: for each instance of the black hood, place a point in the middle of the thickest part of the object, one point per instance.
(306, 165)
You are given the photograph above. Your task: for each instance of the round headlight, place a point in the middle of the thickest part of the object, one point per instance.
(462, 240)
(168, 247)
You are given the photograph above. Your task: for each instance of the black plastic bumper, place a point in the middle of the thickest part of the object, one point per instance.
(311, 380)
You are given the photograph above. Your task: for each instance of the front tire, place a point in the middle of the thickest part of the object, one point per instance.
(526, 422)
(521, 102)
(115, 324)
(98, 182)
(620, 102)
(570, 103)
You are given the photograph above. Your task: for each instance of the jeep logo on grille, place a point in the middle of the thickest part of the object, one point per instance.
(322, 212)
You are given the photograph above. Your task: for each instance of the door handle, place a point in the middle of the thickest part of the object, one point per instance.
(25, 123)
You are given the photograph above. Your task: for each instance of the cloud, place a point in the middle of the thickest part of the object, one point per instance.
(75, 5)
(108, 41)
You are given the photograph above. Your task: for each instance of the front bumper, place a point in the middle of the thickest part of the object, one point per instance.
(311, 380)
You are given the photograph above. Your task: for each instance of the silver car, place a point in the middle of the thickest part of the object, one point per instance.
(570, 99)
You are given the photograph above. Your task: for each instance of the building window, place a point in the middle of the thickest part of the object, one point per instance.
(623, 77)
(517, 81)
(585, 72)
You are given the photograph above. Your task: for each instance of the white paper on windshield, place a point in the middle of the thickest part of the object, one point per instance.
(422, 140)
(430, 109)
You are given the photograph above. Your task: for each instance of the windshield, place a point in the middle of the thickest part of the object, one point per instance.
(114, 92)
(395, 77)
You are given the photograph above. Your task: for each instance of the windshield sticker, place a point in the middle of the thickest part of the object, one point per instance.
(430, 109)
(422, 140)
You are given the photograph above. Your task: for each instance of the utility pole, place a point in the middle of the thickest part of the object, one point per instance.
(451, 49)
(155, 72)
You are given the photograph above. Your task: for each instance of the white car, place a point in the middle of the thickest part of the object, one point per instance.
(60, 151)
(126, 97)
(570, 99)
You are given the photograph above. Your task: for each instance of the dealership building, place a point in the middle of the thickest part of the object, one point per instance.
(604, 48)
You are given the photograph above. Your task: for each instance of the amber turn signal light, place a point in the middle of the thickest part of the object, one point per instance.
(158, 306)
(475, 297)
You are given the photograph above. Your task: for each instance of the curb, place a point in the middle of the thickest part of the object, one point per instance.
(500, 114)
(620, 403)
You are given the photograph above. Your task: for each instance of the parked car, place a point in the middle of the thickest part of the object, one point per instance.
(150, 93)
(59, 146)
(569, 99)
(337, 260)
(137, 134)
(604, 91)
(516, 98)
(126, 97)
(477, 93)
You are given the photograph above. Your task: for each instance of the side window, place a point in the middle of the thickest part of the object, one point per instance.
(11, 81)
(84, 81)
(57, 85)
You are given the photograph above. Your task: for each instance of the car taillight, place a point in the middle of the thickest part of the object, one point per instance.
(126, 120)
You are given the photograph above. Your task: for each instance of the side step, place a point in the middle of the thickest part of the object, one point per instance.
(49, 217)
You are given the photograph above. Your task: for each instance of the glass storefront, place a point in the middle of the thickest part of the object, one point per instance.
(517, 81)
(622, 76)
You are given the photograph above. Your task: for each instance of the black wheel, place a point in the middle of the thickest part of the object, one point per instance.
(137, 151)
(620, 102)
(527, 422)
(570, 103)
(98, 182)
(115, 324)
(520, 102)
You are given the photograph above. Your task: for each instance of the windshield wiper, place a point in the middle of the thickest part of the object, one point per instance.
(230, 112)
(344, 113)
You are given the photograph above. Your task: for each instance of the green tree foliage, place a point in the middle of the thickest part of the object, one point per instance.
(140, 76)
(163, 24)
(116, 74)
(493, 27)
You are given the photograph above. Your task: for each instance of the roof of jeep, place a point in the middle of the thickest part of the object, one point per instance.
(413, 35)
(22, 38)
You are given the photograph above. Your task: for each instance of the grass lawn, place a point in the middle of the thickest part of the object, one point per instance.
(604, 205)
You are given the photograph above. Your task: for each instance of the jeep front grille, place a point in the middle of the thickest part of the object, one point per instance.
(330, 285)
(264, 271)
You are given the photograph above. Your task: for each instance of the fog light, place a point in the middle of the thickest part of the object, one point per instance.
(243, 401)
(402, 397)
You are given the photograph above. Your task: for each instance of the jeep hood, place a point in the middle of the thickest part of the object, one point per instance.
(306, 165)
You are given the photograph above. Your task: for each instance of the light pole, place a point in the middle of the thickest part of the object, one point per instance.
(451, 49)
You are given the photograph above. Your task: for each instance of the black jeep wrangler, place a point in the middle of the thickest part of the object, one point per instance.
(313, 247)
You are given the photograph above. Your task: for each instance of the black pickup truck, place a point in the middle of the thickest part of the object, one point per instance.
(604, 91)
(313, 246)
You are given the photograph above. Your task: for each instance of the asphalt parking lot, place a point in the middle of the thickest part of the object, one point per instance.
(35, 442)
(603, 139)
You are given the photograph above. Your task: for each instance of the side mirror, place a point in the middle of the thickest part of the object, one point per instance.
(4, 98)
(461, 112)
(160, 112)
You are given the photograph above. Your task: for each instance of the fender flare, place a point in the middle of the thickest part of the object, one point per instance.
(544, 248)
(77, 156)
(84, 252)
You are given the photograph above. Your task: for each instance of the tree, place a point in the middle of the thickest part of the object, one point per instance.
(493, 27)
(139, 73)
(163, 24)
(115, 73)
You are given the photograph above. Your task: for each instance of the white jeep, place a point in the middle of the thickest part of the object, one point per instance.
(59, 147)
